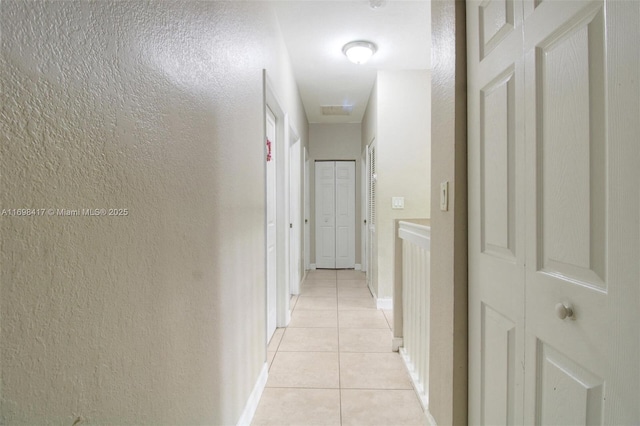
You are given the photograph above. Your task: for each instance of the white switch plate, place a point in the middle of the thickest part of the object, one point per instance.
(444, 196)
(397, 202)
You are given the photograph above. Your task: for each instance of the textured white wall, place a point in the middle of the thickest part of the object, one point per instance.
(334, 142)
(370, 118)
(156, 317)
(403, 159)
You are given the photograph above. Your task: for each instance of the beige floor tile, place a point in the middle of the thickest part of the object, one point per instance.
(311, 291)
(381, 407)
(317, 303)
(310, 340)
(302, 318)
(319, 283)
(350, 274)
(389, 317)
(372, 371)
(304, 370)
(351, 283)
(367, 318)
(354, 292)
(355, 303)
(363, 340)
(322, 274)
(279, 407)
(275, 340)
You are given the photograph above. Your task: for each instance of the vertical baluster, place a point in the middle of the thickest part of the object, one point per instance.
(406, 293)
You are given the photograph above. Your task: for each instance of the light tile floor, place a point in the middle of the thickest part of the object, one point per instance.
(333, 365)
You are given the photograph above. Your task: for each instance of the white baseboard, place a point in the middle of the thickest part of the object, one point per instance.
(358, 267)
(312, 267)
(252, 403)
(385, 303)
(396, 344)
(430, 419)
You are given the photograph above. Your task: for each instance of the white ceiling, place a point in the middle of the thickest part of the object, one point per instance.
(316, 31)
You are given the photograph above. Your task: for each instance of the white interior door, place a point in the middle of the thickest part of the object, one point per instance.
(325, 214)
(335, 214)
(345, 193)
(307, 212)
(554, 209)
(294, 216)
(496, 213)
(582, 63)
(364, 193)
(271, 242)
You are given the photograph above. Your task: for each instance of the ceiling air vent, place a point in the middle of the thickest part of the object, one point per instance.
(337, 109)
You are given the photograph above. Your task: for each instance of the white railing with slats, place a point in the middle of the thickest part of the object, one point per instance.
(413, 286)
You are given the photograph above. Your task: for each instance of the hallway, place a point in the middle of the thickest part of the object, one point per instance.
(333, 365)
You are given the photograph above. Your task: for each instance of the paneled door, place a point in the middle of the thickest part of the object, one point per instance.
(554, 212)
(496, 212)
(335, 214)
(271, 226)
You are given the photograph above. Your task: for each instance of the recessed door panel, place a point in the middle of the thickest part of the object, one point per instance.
(498, 197)
(498, 368)
(572, 150)
(567, 394)
(496, 20)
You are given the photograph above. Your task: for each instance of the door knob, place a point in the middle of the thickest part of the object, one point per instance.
(564, 310)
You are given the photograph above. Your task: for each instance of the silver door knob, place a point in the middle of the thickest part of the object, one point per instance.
(564, 310)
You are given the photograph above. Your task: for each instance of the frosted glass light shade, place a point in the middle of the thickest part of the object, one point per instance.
(359, 52)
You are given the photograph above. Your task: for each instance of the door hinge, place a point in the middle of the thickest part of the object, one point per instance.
(291, 226)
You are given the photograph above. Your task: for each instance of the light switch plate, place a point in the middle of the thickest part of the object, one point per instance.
(444, 196)
(397, 202)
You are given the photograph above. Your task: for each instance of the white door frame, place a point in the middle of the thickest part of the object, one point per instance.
(282, 214)
(295, 223)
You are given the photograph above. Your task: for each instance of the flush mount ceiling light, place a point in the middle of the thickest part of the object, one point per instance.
(359, 52)
(377, 4)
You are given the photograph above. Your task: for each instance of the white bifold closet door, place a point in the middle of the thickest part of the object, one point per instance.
(335, 214)
(554, 211)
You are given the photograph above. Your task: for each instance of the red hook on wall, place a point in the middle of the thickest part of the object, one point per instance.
(268, 150)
